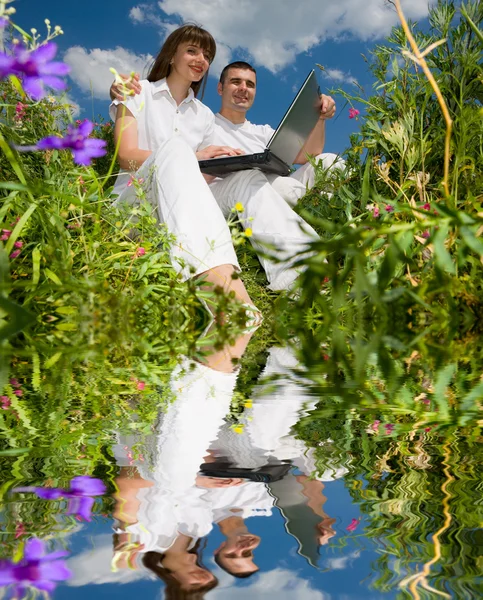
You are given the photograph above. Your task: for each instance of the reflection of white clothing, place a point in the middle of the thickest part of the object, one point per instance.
(277, 407)
(172, 180)
(173, 455)
(267, 200)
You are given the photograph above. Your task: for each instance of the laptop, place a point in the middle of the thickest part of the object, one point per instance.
(286, 142)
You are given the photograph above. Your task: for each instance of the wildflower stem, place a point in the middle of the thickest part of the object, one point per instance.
(423, 64)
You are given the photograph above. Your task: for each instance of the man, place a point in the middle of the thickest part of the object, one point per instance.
(265, 201)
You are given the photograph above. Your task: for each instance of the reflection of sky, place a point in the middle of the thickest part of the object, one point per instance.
(344, 573)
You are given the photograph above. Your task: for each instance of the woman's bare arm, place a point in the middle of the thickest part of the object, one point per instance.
(130, 156)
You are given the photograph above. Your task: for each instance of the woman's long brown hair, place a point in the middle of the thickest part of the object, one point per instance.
(186, 33)
(173, 591)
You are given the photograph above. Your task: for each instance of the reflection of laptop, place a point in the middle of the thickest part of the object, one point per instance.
(224, 469)
(286, 142)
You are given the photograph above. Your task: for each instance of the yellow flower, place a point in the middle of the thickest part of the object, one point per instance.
(239, 207)
(248, 404)
(248, 232)
(238, 429)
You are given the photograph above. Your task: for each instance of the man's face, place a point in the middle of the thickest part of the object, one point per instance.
(238, 90)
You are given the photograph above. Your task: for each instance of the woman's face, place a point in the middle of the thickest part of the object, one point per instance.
(190, 61)
(190, 575)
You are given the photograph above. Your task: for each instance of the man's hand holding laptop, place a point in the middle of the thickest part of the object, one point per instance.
(327, 107)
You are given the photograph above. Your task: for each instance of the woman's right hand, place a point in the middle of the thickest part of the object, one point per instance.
(130, 87)
(217, 151)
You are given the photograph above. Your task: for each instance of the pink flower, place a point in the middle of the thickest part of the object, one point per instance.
(18, 393)
(140, 385)
(353, 112)
(389, 208)
(375, 213)
(427, 206)
(425, 234)
(427, 429)
(375, 425)
(389, 427)
(19, 530)
(140, 251)
(326, 357)
(426, 401)
(6, 233)
(14, 383)
(5, 401)
(14, 254)
(353, 525)
(18, 244)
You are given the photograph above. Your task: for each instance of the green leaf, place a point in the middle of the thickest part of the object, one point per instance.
(52, 360)
(19, 318)
(15, 451)
(52, 276)
(441, 256)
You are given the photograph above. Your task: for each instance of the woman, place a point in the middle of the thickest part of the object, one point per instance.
(162, 133)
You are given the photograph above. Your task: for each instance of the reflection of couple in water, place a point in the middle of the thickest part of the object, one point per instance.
(196, 471)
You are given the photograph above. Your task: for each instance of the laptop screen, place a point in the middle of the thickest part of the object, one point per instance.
(298, 122)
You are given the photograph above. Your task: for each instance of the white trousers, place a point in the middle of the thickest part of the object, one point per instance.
(267, 200)
(184, 202)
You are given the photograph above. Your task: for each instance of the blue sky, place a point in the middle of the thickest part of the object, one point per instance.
(283, 39)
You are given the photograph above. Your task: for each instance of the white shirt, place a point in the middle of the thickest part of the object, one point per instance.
(159, 118)
(247, 136)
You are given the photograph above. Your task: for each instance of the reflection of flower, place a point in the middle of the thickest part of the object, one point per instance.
(35, 67)
(35, 569)
(77, 140)
(353, 525)
(80, 493)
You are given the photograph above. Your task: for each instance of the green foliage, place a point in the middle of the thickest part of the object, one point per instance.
(388, 233)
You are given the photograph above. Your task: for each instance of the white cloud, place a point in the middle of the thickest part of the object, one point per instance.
(90, 68)
(136, 14)
(343, 562)
(282, 584)
(276, 31)
(338, 76)
(94, 566)
(145, 13)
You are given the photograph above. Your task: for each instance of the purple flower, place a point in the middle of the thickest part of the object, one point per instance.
(80, 494)
(35, 569)
(35, 68)
(3, 22)
(83, 148)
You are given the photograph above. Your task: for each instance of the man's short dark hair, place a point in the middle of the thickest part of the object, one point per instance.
(239, 64)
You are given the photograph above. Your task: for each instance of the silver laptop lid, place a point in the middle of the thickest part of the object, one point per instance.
(298, 122)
